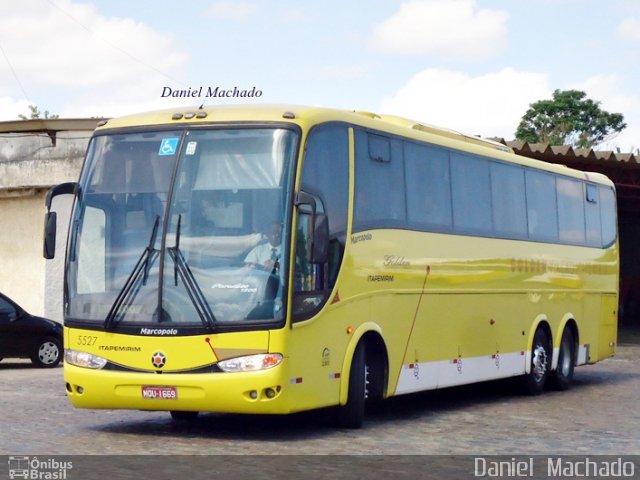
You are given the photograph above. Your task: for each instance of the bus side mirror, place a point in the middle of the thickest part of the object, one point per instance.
(320, 250)
(50, 218)
(49, 249)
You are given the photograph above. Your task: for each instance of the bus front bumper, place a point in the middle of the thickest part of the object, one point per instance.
(261, 392)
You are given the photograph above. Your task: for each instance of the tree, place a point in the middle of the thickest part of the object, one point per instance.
(35, 113)
(569, 119)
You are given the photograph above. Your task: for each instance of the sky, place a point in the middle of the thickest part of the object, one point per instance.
(470, 65)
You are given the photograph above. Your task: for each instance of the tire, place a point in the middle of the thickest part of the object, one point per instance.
(562, 377)
(351, 415)
(534, 381)
(181, 416)
(48, 353)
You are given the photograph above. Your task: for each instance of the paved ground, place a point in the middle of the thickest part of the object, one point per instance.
(600, 415)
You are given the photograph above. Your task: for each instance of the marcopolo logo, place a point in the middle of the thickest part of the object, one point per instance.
(40, 469)
(158, 331)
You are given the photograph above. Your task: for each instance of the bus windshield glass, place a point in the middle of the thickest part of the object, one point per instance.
(181, 228)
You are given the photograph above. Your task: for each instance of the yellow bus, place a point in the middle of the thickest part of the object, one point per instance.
(276, 259)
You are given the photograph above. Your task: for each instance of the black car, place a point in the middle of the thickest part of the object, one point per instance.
(25, 336)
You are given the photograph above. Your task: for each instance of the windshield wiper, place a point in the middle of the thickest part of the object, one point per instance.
(136, 279)
(181, 270)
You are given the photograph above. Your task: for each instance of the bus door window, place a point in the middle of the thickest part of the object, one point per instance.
(325, 175)
(311, 285)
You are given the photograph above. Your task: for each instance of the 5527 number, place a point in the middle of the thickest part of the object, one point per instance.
(86, 340)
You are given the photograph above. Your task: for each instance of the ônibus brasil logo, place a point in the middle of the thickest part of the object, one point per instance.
(32, 467)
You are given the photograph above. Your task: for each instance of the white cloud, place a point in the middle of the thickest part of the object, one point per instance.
(11, 108)
(228, 9)
(443, 27)
(629, 29)
(492, 105)
(489, 105)
(610, 92)
(344, 72)
(68, 49)
(130, 98)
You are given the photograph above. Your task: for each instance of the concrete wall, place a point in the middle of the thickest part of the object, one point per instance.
(28, 160)
(21, 262)
(35, 155)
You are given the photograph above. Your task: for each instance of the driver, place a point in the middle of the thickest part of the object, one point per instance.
(267, 254)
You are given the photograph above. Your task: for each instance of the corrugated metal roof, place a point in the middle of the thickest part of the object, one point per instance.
(571, 156)
(48, 125)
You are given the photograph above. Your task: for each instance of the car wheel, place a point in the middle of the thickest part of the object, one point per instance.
(48, 353)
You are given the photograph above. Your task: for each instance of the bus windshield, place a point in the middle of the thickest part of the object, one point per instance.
(181, 228)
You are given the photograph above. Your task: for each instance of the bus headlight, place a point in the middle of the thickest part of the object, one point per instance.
(251, 363)
(84, 359)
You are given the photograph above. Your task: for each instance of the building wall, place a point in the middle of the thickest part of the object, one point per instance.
(35, 160)
(21, 262)
(30, 162)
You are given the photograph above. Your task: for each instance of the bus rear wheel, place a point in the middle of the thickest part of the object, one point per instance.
(533, 382)
(351, 415)
(562, 377)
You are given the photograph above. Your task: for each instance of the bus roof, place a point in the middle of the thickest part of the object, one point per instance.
(307, 116)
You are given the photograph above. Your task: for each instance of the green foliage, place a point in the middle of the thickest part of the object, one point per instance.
(35, 113)
(569, 119)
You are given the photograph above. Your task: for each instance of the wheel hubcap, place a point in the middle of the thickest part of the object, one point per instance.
(539, 363)
(48, 353)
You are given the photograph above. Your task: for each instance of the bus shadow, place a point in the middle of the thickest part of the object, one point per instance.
(437, 402)
(320, 423)
(278, 428)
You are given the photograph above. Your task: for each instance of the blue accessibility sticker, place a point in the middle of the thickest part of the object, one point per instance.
(169, 146)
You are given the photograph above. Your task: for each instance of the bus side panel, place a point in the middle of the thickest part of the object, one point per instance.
(464, 338)
(608, 337)
(318, 348)
(316, 353)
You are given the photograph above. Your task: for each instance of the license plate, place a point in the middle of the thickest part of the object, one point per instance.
(159, 393)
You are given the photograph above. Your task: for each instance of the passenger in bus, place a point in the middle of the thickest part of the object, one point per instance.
(207, 209)
(266, 255)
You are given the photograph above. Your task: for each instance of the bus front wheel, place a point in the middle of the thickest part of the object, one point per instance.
(351, 415)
